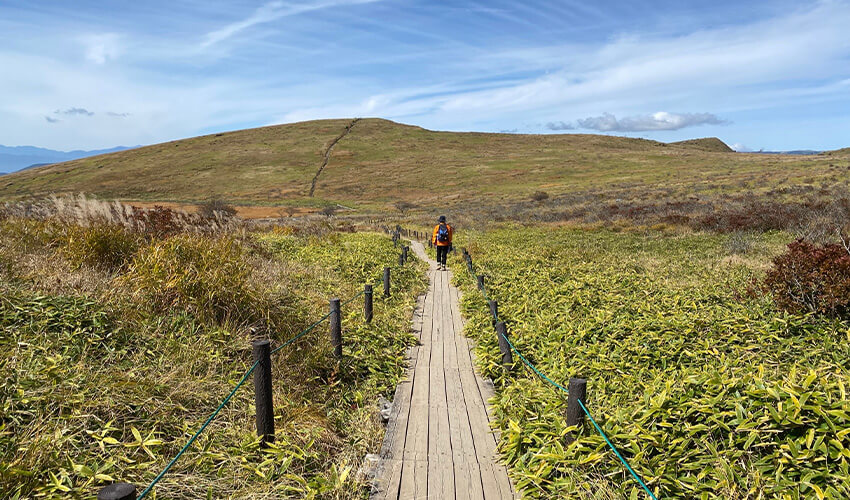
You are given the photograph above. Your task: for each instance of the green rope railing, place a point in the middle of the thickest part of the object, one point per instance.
(562, 388)
(198, 433)
(230, 396)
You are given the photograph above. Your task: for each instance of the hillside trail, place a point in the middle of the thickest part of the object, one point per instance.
(438, 443)
(328, 154)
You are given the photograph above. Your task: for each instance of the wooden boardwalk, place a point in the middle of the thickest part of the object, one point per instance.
(438, 443)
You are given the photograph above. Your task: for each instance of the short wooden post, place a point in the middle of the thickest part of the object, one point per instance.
(577, 391)
(367, 303)
(481, 282)
(336, 328)
(118, 491)
(502, 336)
(386, 282)
(263, 391)
(401, 259)
(404, 251)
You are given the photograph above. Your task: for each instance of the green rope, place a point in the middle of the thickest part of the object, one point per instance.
(195, 436)
(634, 474)
(229, 396)
(303, 332)
(352, 298)
(559, 386)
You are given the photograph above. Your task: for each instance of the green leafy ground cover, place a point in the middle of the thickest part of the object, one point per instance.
(105, 375)
(708, 392)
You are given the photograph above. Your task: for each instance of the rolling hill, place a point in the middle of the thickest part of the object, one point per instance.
(376, 162)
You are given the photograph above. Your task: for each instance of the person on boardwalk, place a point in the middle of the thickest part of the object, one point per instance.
(442, 240)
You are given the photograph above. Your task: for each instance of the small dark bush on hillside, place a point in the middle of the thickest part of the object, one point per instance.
(540, 196)
(404, 206)
(812, 278)
(216, 208)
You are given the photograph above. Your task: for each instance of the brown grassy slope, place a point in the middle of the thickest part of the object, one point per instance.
(265, 164)
(381, 162)
(712, 144)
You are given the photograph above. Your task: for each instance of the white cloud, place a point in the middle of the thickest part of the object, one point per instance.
(643, 123)
(271, 11)
(741, 148)
(74, 111)
(101, 48)
(560, 125)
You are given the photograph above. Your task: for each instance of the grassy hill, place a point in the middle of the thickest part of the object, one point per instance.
(380, 162)
(710, 144)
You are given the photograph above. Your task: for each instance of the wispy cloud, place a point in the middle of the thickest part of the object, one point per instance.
(74, 111)
(643, 123)
(102, 47)
(269, 12)
(52, 120)
(560, 125)
(117, 115)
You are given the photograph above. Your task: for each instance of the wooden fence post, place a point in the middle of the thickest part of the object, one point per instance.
(263, 391)
(481, 282)
(336, 328)
(117, 491)
(577, 391)
(386, 282)
(404, 251)
(401, 259)
(367, 303)
(502, 336)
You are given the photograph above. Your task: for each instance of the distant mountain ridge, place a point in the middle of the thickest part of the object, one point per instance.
(14, 158)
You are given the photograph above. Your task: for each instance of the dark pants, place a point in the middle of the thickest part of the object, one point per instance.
(442, 252)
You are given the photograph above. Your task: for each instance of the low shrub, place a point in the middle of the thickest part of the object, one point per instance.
(105, 246)
(158, 221)
(216, 208)
(812, 278)
(540, 196)
(209, 277)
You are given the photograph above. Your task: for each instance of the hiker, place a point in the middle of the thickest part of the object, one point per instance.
(442, 239)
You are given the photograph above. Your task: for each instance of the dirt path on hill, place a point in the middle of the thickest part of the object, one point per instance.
(328, 155)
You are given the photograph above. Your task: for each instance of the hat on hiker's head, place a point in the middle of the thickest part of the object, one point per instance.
(442, 218)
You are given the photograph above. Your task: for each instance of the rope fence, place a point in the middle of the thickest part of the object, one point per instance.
(502, 335)
(262, 377)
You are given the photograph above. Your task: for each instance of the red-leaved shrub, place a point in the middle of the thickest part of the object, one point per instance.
(812, 278)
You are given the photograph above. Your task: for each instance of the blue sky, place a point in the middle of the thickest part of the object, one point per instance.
(85, 75)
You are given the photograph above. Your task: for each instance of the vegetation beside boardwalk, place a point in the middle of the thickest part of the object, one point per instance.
(704, 384)
(119, 336)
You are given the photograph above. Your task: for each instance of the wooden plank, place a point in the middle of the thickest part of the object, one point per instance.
(388, 476)
(440, 471)
(414, 476)
(467, 472)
